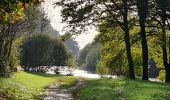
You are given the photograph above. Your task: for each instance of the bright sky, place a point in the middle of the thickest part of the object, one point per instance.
(54, 15)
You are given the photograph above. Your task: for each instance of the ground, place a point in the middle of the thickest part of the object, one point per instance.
(28, 86)
(55, 92)
(123, 89)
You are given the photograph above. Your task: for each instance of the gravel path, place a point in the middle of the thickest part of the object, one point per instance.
(53, 92)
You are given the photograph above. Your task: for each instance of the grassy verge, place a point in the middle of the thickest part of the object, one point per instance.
(26, 86)
(123, 89)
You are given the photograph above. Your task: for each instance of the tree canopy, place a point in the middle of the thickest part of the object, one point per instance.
(149, 17)
(41, 50)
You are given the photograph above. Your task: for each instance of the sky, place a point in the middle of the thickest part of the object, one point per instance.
(54, 14)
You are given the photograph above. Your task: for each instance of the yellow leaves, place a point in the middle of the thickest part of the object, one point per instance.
(15, 15)
(14, 11)
(20, 5)
(6, 17)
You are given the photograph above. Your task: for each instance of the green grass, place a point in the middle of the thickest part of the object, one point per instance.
(123, 89)
(26, 86)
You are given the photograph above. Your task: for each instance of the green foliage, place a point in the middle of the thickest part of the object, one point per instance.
(161, 75)
(12, 29)
(72, 46)
(101, 69)
(93, 57)
(118, 89)
(14, 59)
(113, 58)
(146, 21)
(137, 59)
(13, 10)
(82, 55)
(70, 61)
(155, 50)
(89, 56)
(41, 50)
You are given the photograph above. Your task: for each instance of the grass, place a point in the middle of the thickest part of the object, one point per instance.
(26, 86)
(123, 89)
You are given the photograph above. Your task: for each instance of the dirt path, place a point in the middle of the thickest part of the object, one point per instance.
(53, 92)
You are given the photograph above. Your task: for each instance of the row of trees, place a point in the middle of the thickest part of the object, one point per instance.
(150, 17)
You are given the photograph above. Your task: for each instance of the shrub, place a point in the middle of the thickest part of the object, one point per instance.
(161, 75)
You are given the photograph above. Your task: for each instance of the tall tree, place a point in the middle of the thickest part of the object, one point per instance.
(162, 18)
(78, 15)
(142, 6)
(11, 12)
(127, 39)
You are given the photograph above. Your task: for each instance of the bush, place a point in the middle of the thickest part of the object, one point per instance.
(42, 50)
(161, 75)
(101, 69)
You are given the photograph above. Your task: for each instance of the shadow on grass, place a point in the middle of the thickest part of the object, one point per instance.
(43, 74)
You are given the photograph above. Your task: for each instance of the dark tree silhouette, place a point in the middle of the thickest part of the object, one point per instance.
(142, 6)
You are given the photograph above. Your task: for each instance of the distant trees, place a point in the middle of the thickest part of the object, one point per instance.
(72, 45)
(41, 50)
(89, 56)
(81, 60)
(93, 57)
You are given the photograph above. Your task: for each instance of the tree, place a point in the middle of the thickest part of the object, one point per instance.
(127, 39)
(60, 54)
(151, 17)
(142, 7)
(89, 56)
(41, 50)
(162, 19)
(81, 60)
(92, 57)
(13, 10)
(10, 31)
(78, 15)
(11, 14)
(72, 45)
(113, 50)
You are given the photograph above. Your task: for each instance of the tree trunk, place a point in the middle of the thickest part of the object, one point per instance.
(164, 41)
(167, 77)
(164, 50)
(127, 41)
(144, 51)
(169, 49)
(2, 70)
(142, 6)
